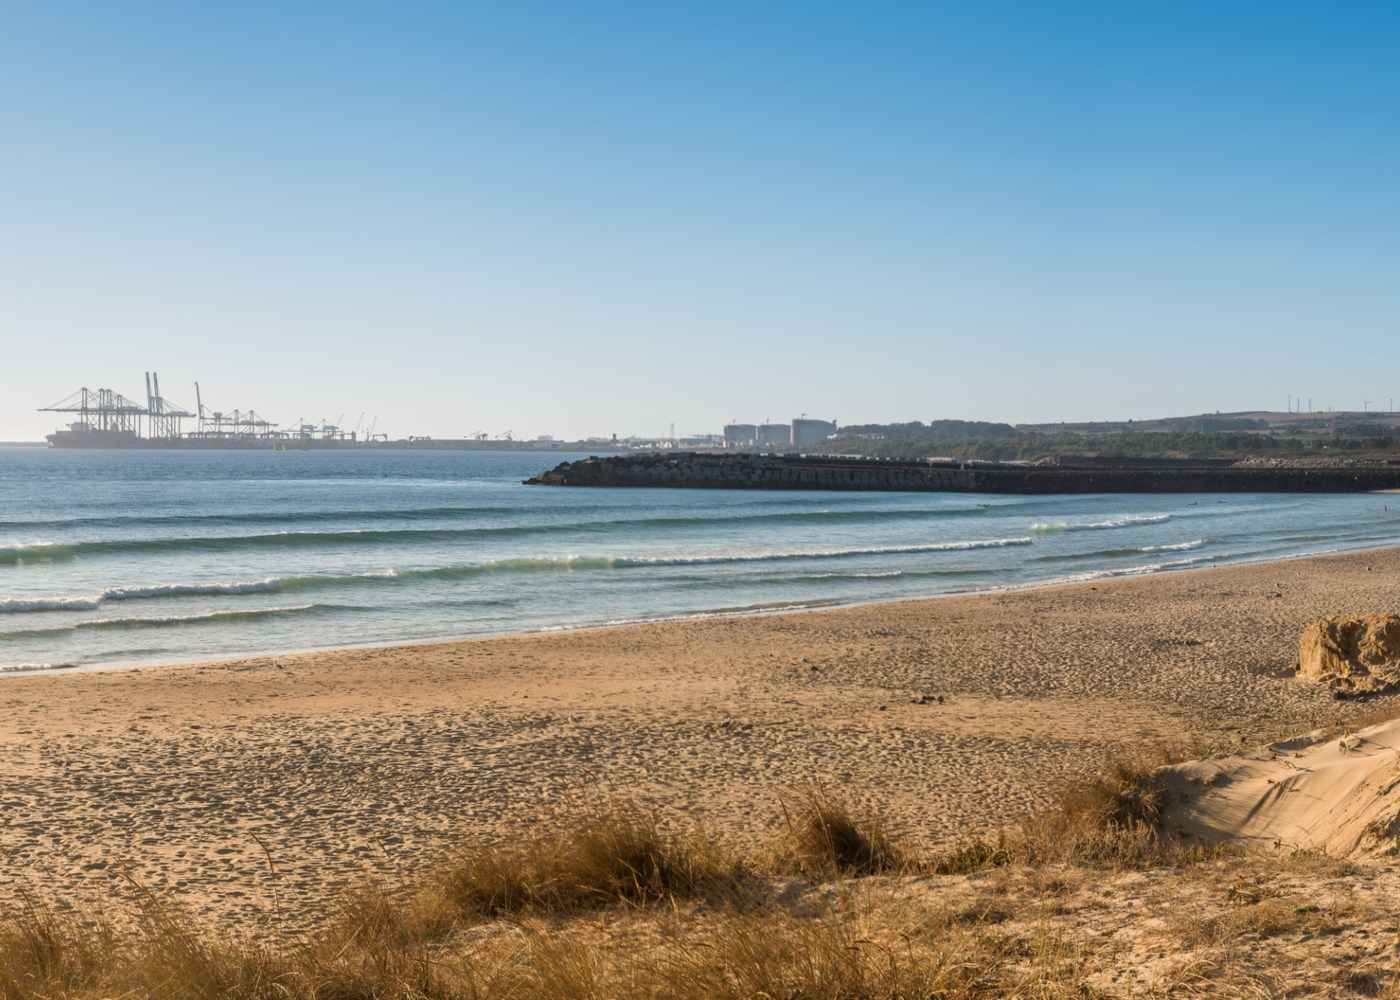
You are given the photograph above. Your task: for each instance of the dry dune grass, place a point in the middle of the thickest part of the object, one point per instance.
(384, 943)
(618, 904)
(826, 837)
(725, 934)
(46, 954)
(611, 853)
(1113, 818)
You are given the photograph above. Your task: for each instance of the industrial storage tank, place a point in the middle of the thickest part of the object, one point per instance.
(775, 436)
(809, 431)
(740, 435)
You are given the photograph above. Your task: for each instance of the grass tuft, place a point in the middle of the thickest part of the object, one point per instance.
(1112, 819)
(772, 955)
(618, 853)
(825, 837)
(45, 952)
(972, 856)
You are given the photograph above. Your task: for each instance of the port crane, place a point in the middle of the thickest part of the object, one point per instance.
(165, 415)
(104, 410)
(238, 424)
(108, 412)
(107, 419)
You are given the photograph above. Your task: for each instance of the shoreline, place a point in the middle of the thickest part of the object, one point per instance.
(1091, 578)
(227, 786)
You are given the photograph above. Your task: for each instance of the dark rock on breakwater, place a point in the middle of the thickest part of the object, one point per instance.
(724, 471)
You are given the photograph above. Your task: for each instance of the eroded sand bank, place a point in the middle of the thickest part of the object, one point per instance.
(268, 784)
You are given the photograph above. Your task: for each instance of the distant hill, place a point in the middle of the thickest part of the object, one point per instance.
(1207, 435)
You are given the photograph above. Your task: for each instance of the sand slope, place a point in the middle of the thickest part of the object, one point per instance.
(1337, 795)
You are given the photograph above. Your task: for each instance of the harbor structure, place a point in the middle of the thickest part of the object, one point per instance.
(720, 471)
(108, 419)
(105, 417)
(164, 416)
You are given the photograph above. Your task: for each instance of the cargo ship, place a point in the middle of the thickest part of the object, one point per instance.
(83, 435)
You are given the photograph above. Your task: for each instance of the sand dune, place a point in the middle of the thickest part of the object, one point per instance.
(1339, 795)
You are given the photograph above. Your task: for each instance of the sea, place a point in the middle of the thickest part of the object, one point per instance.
(118, 558)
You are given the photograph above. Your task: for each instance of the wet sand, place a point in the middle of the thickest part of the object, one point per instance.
(256, 789)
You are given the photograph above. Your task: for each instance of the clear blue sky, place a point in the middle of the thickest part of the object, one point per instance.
(583, 218)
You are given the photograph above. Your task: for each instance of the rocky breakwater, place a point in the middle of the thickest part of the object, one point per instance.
(722, 471)
(725, 471)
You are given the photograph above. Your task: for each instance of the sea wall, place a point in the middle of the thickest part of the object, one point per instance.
(724, 471)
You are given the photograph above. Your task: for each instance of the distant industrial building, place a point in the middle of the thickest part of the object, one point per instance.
(740, 435)
(775, 436)
(799, 432)
(810, 431)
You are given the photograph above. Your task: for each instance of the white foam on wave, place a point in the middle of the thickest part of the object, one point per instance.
(1178, 547)
(29, 668)
(272, 583)
(1143, 570)
(855, 576)
(19, 604)
(776, 607)
(1127, 521)
(38, 548)
(140, 621)
(882, 550)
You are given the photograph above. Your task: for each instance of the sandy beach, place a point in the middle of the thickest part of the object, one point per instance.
(260, 787)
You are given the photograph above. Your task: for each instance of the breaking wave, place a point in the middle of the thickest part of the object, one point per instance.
(882, 550)
(59, 551)
(49, 604)
(1131, 521)
(163, 621)
(1141, 570)
(47, 552)
(1122, 553)
(547, 564)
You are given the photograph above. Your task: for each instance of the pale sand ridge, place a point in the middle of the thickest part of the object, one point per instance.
(1338, 795)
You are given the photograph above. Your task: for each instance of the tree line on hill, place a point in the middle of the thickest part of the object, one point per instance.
(1195, 437)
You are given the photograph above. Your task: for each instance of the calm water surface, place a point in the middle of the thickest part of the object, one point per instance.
(147, 557)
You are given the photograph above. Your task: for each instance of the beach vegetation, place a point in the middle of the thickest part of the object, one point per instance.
(617, 902)
(826, 836)
(615, 852)
(1113, 818)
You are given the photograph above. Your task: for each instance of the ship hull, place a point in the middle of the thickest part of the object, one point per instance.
(129, 441)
